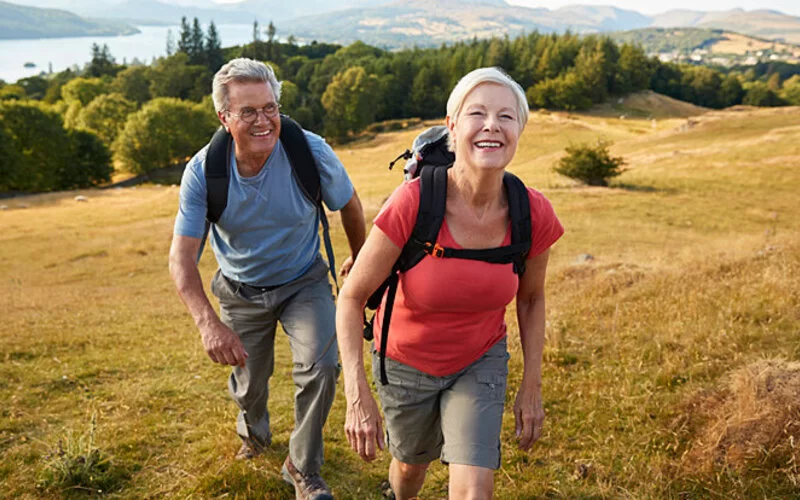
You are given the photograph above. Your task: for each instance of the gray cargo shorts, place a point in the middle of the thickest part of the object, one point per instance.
(457, 417)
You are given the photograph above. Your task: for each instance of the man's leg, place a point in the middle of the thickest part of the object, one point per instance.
(406, 479)
(308, 318)
(249, 386)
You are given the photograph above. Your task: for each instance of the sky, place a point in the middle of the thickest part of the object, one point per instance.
(791, 7)
(649, 7)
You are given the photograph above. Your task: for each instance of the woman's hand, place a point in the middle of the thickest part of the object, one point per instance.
(363, 425)
(529, 416)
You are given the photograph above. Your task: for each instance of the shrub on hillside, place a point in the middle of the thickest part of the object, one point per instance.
(47, 157)
(165, 131)
(105, 116)
(592, 165)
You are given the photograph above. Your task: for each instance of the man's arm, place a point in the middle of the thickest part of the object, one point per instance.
(355, 229)
(221, 344)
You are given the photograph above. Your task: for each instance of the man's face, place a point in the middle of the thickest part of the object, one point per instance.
(257, 135)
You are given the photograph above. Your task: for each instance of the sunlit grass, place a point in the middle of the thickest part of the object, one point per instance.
(696, 275)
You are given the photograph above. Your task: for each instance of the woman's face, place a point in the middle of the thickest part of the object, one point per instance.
(487, 128)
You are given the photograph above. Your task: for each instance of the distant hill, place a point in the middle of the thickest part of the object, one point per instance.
(769, 24)
(431, 22)
(19, 21)
(713, 41)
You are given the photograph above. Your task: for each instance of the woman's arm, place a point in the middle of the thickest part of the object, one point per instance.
(528, 410)
(373, 265)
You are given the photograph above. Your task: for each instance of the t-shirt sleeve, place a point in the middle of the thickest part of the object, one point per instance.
(547, 229)
(337, 189)
(399, 214)
(192, 205)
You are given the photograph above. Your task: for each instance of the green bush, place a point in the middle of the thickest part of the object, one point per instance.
(592, 165)
(164, 132)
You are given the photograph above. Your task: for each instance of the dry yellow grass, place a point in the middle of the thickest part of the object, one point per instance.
(695, 277)
(734, 43)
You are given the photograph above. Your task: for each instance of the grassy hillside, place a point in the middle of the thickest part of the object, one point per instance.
(667, 367)
(21, 21)
(685, 40)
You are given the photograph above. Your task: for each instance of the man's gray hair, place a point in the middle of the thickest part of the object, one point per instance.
(242, 70)
(485, 75)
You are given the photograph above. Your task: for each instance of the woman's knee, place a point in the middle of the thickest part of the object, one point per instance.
(410, 471)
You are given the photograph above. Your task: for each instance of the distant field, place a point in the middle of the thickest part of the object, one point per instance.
(734, 43)
(668, 367)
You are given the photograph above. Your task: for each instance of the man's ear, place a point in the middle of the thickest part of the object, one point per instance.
(223, 118)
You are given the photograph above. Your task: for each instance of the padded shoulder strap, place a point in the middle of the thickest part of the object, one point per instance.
(519, 210)
(432, 201)
(304, 166)
(217, 173)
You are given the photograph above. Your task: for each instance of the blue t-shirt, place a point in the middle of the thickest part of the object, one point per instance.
(269, 232)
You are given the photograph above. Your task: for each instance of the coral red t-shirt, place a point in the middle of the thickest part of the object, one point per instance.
(449, 312)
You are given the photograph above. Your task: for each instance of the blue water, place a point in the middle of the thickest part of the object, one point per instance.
(64, 53)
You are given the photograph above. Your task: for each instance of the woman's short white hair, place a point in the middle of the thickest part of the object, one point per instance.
(485, 75)
(242, 70)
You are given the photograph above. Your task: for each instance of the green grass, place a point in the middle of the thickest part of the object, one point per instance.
(696, 275)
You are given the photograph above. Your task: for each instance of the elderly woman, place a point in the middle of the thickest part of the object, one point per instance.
(446, 359)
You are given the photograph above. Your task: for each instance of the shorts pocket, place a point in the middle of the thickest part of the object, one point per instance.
(492, 384)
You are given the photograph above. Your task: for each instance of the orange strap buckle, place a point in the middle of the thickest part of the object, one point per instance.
(435, 250)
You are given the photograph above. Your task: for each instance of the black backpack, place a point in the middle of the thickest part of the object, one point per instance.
(304, 169)
(429, 160)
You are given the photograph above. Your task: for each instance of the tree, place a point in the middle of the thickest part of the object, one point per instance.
(47, 156)
(759, 94)
(567, 91)
(165, 131)
(83, 90)
(35, 87)
(171, 48)
(11, 161)
(592, 165)
(106, 116)
(12, 93)
(634, 70)
(133, 83)
(196, 44)
(731, 92)
(185, 38)
(349, 102)
(790, 92)
(213, 49)
(89, 161)
(272, 52)
(175, 77)
(102, 62)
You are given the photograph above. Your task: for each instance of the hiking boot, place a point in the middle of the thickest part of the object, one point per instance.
(306, 486)
(251, 448)
(386, 491)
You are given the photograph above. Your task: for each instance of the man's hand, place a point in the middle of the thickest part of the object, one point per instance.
(346, 266)
(223, 345)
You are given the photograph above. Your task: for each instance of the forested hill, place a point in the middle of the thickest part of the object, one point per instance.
(20, 21)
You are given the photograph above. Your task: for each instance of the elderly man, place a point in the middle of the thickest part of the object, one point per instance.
(270, 269)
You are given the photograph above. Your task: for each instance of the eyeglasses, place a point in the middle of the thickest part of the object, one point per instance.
(249, 115)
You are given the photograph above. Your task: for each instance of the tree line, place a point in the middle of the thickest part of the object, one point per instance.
(145, 117)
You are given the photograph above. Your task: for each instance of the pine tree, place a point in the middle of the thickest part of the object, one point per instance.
(214, 56)
(196, 50)
(185, 40)
(170, 43)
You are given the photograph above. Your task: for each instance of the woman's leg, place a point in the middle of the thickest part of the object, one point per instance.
(406, 479)
(469, 482)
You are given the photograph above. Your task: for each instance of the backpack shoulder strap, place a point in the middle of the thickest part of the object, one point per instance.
(217, 173)
(304, 167)
(519, 211)
(306, 172)
(430, 216)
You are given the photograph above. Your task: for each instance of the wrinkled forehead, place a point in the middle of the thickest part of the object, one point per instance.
(252, 94)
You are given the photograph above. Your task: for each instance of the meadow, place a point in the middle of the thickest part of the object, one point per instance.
(672, 362)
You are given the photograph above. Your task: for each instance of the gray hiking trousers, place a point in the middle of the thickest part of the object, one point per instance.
(306, 311)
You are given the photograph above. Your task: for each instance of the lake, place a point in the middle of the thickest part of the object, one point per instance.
(63, 53)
